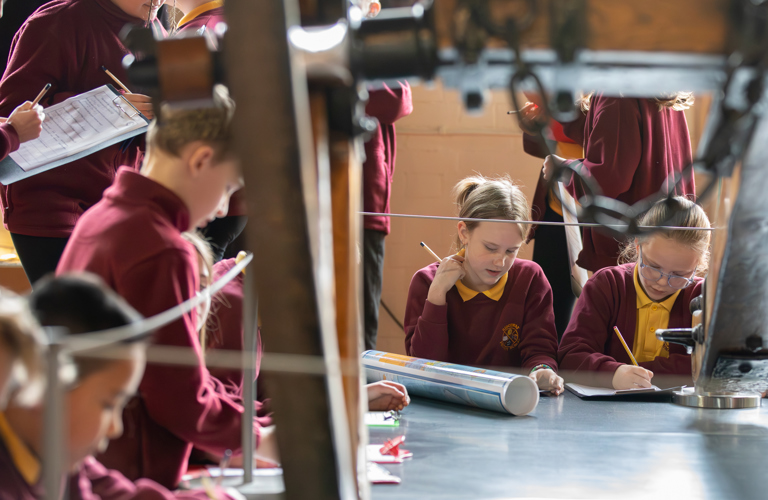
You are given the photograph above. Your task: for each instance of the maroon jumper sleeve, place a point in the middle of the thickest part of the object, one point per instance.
(9, 140)
(583, 343)
(538, 344)
(95, 482)
(33, 64)
(388, 105)
(201, 411)
(426, 325)
(613, 148)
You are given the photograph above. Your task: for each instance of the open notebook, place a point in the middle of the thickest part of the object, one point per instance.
(73, 129)
(586, 392)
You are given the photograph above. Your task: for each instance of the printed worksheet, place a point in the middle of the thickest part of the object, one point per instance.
(78, 124)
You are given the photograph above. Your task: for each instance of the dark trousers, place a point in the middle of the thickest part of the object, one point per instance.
(39, 255)
(373, 274)
(220, 233)
(551, 252)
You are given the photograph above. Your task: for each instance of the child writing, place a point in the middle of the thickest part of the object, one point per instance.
(65, 43)
(105, 379)
(132, 239)
(24, 124)
(652, 290)
(483, 306)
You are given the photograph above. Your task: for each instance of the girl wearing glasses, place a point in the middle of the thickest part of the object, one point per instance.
(652, 290)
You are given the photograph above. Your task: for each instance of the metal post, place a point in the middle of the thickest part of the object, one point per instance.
(54, 422)
(250, 308)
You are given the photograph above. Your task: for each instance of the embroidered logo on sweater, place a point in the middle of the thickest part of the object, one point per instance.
(510, 337)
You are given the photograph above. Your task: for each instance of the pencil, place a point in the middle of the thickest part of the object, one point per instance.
(41, 94)
(433, 254)
(626, 348)
(113, 77)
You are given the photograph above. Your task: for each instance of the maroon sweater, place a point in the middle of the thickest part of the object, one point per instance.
(64, 43)
(630, 148)
(92, 481)
(210, 19)
(472, 332)
(609, 299)
(9, 140)
(387, 106)
(132, 239)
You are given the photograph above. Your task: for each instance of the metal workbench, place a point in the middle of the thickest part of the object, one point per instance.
(569, 448)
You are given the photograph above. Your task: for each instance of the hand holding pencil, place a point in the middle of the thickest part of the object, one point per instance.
(27, 120)
(630, 376)
(450, 270)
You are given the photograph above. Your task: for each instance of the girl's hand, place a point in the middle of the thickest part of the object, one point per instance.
(27, 121)
(550, 163)
(632, 377)
(141, 102)
(450, 271)
(386, 396)
(548, 380)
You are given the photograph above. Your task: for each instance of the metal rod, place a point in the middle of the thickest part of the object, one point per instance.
(54, 420)
(250, 306)
(539, 223)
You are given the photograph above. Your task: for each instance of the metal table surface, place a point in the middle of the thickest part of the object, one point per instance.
(570, 448)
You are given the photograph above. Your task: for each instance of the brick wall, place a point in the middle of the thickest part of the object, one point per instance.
(437, 145)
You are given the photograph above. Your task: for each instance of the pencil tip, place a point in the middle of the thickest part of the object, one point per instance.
(103, 68)
(421, 243)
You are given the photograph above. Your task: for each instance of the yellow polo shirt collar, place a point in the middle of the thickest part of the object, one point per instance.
(493, 293)
(651, 316)
(25, 461)
(200, 10)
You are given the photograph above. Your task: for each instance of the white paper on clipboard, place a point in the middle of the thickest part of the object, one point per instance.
(573, 237)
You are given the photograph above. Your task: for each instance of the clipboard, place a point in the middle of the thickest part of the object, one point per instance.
(61, 122)
(604, 393)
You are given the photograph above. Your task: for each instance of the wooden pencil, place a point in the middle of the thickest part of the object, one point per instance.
(626, 347)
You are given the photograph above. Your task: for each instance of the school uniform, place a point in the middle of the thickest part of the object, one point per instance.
(614, 297)
(551, 248)
(22, 478)
(510, 325)
(9, 140)
(132, 239)
(220, 232)
(386, 105)
(630, 149)
(64, 43)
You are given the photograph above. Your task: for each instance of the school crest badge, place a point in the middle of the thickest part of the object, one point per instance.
(510, 337)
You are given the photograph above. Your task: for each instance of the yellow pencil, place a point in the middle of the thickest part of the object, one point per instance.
(41, 94)
(626, 347)
(113, 77)
(433, 254)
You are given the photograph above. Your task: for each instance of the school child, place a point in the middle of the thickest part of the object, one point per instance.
(93, 401)
(652, 290)
(132, 239)
(631, 147)
(21, 348)
(65, 43)
(24, 124)
(483, 306)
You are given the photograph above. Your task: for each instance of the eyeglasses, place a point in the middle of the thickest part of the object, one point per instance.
(673, 280)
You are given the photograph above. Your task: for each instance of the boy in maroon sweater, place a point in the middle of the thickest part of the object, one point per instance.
(631, 146)
(483, 306)
(132, 239)
(65, 43)
(653, 291)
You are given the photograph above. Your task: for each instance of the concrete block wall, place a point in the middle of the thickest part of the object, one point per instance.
(437, 145)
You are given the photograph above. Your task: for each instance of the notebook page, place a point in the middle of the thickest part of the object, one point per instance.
(77, 124)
